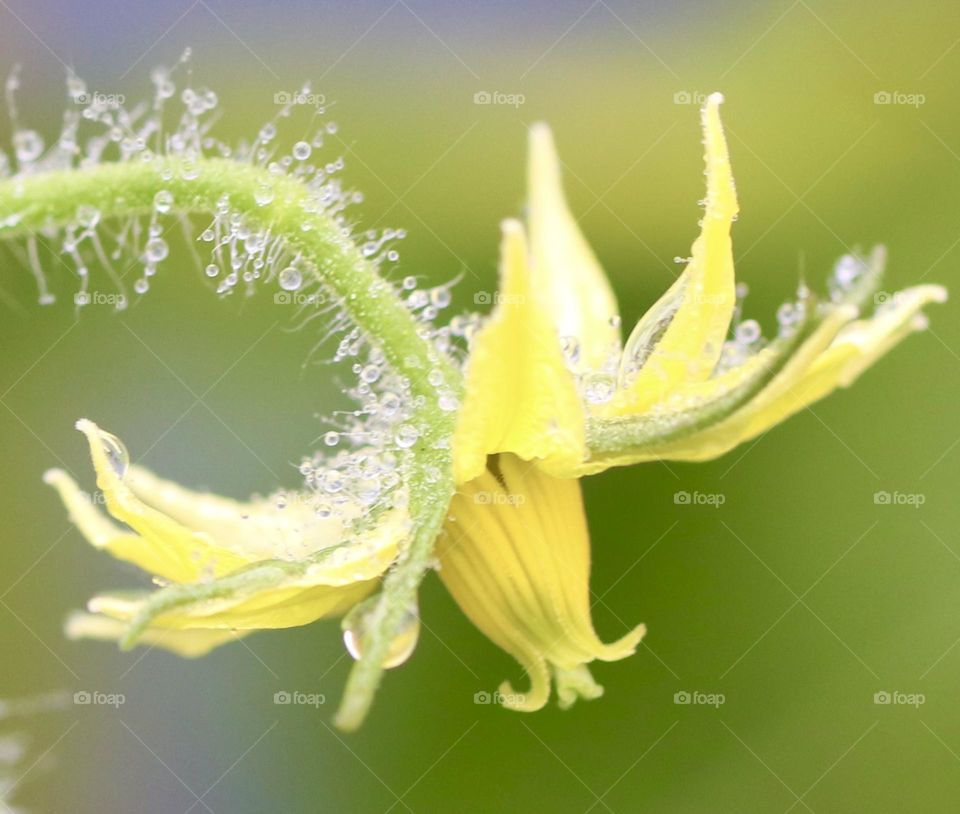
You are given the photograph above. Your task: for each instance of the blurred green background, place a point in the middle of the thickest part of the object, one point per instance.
(797, 600)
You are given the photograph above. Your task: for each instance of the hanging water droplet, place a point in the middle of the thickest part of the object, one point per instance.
(440, 297)
(789, 316)
(88, 216)
(357, 623)
(302, 150)
(212, 270)
(280, 501)
(390, 403)
(406, 436)
(747, 332)
(570, 347)
(332, 481)
(163, 201)
(156, 249)
(448, 402)
(598, 388)
(116, 452)
(263, 195)
(290, 279)
(331, 439)
(28, 145)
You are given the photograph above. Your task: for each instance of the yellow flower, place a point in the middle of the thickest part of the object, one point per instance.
(551, 394)
(516, 556)
(269, 563)
(548, 377)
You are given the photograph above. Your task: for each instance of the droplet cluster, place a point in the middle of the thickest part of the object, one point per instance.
(360, 459)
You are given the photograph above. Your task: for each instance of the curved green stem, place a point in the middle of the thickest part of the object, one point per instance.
(31, 203)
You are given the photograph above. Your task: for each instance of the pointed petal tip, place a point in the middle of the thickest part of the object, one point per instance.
(721, 190)
(540, 135)
(511, 226)
(52, 476)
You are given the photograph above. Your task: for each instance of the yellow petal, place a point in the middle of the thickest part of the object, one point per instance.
(515, 554)
(254, 530)
(164, 547)
(520, 395)
(271, 594)
(564, 269)
(186, 643)
(276, 607)
(681, 337)
(185, 535)
(838, 352)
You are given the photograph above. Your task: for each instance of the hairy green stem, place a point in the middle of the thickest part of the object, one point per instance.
(31, 203)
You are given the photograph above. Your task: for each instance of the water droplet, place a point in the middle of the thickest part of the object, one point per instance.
(440, 297)
(747, 332)
(263, 195)
(356, 625)
(332, 481)
(116, 452)
(28, 145)
(390, 403)
(448, 402)
(156, 250)
(406, 436)
(789, 316)
(331, 439)
(163, 201)
(570, 347)
(302, 150)
(290, 279)
(598, 388)
(212, 270)
(88, 216)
